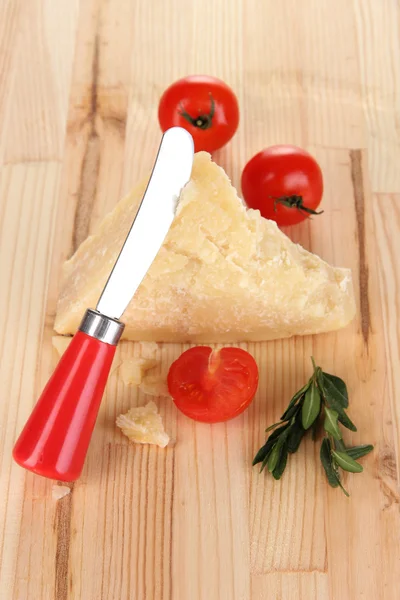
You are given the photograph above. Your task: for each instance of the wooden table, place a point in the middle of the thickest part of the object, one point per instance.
(79, 86)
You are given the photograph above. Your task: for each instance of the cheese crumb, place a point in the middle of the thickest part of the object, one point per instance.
(132, 370)
(154, 385)
(60, 344)
(148, 349)
(143, 425)
(59, 491)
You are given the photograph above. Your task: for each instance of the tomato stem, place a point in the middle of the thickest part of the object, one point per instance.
(294, 201)
(202, 121)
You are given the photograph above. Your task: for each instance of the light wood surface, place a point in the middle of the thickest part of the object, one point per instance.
(79, 86)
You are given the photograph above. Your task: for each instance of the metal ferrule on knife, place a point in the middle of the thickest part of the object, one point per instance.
(101, 328)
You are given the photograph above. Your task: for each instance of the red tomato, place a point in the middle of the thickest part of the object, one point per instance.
(284, 183)
(203, 105)
(213, 386)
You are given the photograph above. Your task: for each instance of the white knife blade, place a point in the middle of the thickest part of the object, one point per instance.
(171, 172)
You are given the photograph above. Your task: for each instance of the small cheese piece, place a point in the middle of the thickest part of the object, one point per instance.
(144, 425)
(224, 273)
(132, 370)
(149, 349)
(155, 385)
(60, 344)
(60, 491)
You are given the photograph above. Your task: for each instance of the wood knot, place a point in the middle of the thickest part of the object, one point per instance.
(387, 463)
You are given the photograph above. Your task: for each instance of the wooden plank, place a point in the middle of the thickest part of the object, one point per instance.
(366, 379)
(360, 360)
(96, 119)
(29, 200)
(133, 558)
(386, 213)
(286, 518)
(29, 194)
(290, 586)
(10, 20)
(380, 88)
(209, 501)
(386, 219)
(294, 104)
(39, 108)
(305, 92)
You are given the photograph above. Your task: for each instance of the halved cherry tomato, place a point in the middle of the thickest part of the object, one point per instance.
(213, 386)
(203, 105)
(284, 183)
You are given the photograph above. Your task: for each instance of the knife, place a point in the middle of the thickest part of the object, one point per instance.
(56, 437)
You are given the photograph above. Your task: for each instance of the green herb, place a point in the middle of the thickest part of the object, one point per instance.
(331, 423)
(344, 419)
(334, 399)
(341, 446)
(296, 434)
(323, 395)
(327, 462)
(281, 465)
(346, 462)
(311, 405)
(293, 401)
(264, 452)
(359, 451)
(274, 458)
(336, 388)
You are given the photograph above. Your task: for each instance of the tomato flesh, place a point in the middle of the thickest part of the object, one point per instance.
(213, 386)
(282, 175)
(203, 105)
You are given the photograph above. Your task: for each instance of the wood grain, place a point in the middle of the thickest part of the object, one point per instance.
(379, 79)
(10, 33)
(27, 229)
(39, 101)
(79, 86)
(387, 220)
(290, 586)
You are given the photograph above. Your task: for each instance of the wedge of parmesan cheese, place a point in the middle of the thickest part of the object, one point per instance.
(132, 370)
(144, 425)
(223, 274)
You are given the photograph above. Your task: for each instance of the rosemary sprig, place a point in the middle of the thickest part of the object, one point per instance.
(322, 401)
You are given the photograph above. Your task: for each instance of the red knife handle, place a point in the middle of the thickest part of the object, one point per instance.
(56, 437)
